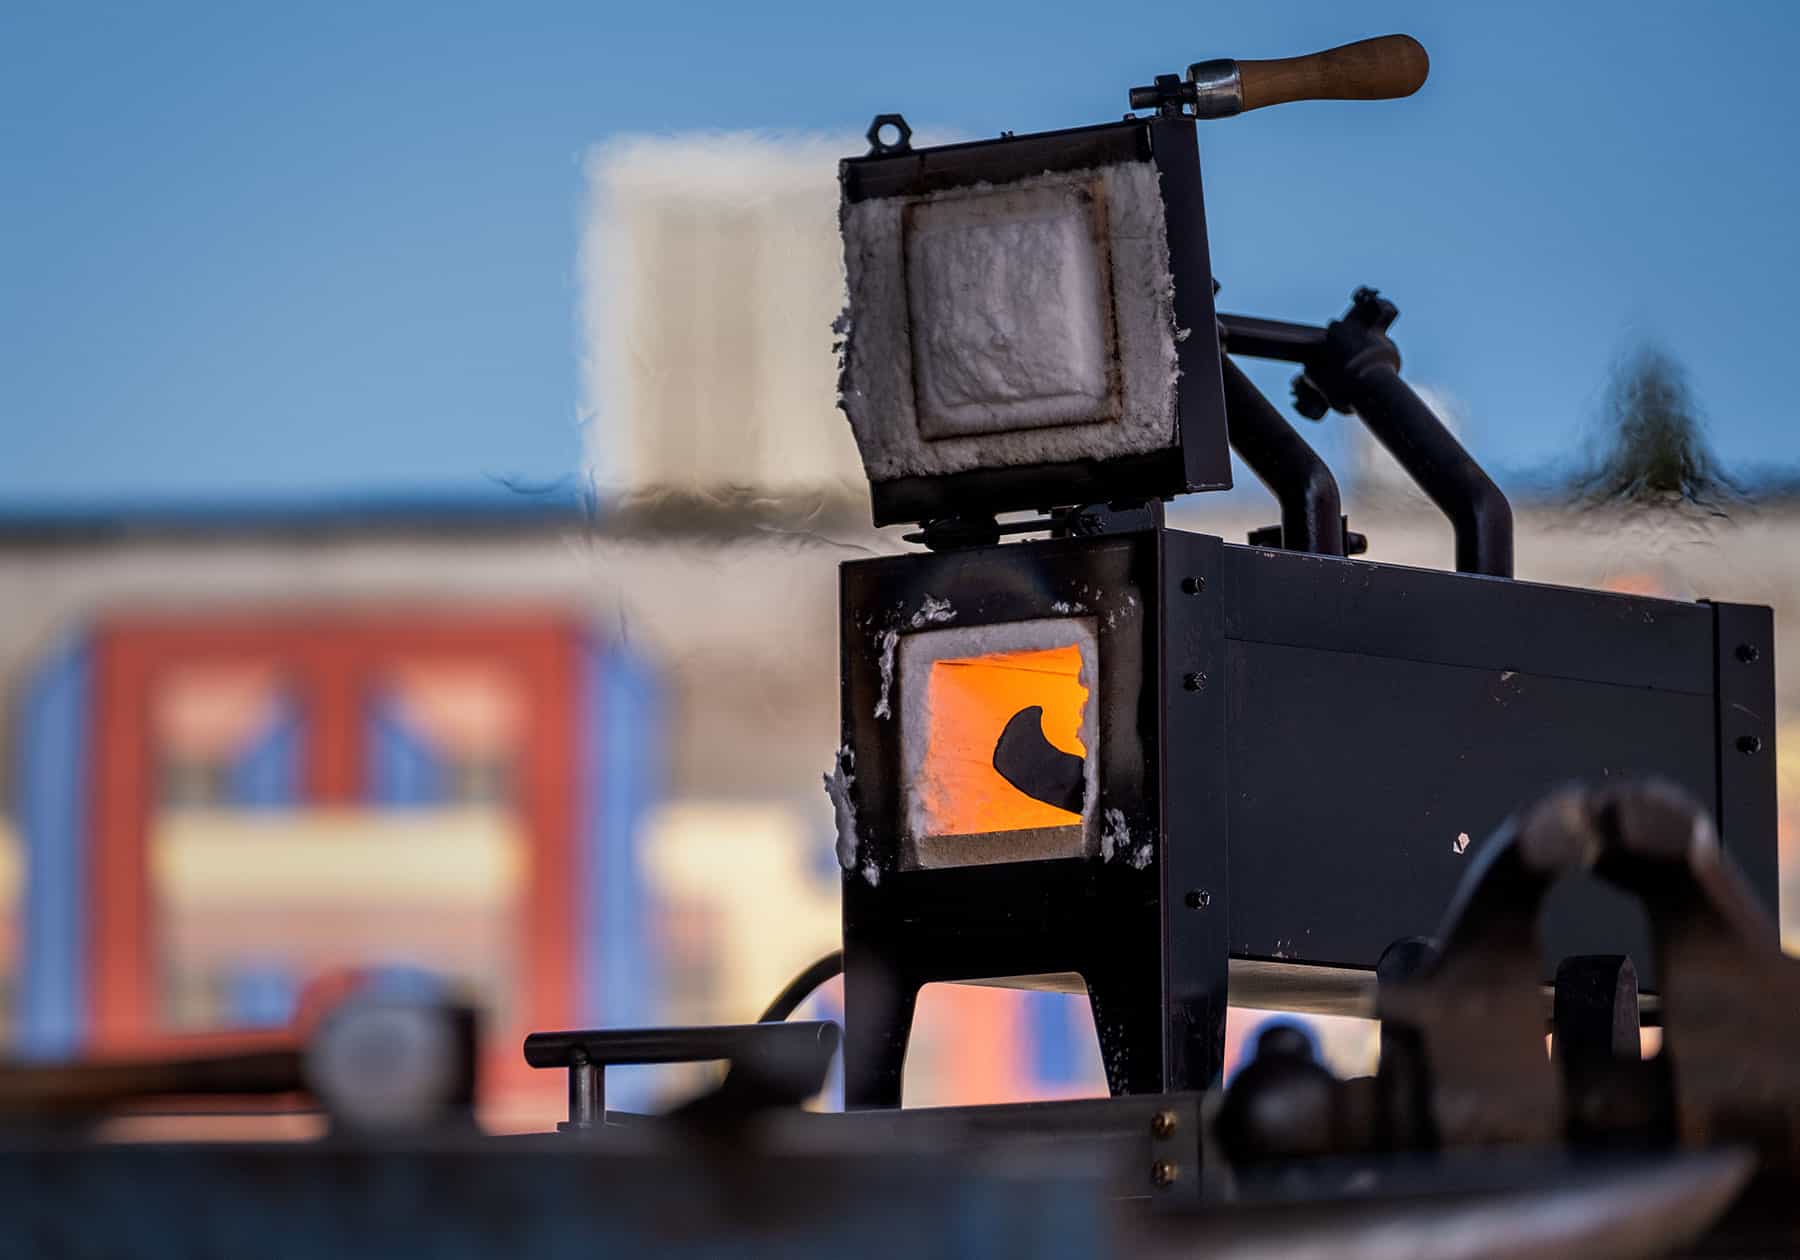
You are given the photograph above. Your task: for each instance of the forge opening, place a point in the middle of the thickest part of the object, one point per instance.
(998, 732)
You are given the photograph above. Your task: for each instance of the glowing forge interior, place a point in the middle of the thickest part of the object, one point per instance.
(997, 727)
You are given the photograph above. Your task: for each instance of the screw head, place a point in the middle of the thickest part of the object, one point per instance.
(1749, 744)
(1163, 1173)
(1194, 682)
(1163, 1124)
(1747, 653)
(1197, 899)
(1193, 585)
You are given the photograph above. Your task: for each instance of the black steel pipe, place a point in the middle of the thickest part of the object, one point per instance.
(1269, 338)
(610, 1047)
(1352, 366)
(779, 1060)
(802, 986)
(1448, 474)
(1311, 508)
(46, 1089)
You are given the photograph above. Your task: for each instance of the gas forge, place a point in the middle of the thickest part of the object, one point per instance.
(1166, 770)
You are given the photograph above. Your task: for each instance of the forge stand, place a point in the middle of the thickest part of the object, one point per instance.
(1296, 754)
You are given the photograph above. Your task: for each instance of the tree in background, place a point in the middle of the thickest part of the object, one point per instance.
(1653, 445)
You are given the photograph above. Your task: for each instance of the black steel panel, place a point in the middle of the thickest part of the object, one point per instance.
(1749, 821)
(982, 586)
(1465, 619)
(1196, 887)
(1354, 777)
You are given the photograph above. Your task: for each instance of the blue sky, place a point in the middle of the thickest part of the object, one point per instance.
(253, 252)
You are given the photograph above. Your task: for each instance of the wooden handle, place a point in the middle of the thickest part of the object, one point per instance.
(1369, 70)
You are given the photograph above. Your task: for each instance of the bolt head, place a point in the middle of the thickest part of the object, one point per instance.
(1309, 399)
(1163, 1124)
(1747, 653)
(1749, 744)
(1193, 585)
(1163, 1173)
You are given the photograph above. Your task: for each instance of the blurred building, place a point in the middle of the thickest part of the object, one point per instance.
(712, 275)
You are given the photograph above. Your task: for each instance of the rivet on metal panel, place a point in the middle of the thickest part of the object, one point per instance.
(1163, 1124)
(1198, 899)
(1193, 585)
(1748, 744)
(1163, 1173)
(1747, 653)
(1194, 682)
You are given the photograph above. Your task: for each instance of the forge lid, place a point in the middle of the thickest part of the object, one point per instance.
(1030, 322)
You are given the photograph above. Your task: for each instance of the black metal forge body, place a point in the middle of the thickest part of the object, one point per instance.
(1306, 746)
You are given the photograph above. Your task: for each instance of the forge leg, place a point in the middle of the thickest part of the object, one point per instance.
(1132, 1027)
(878, 1018)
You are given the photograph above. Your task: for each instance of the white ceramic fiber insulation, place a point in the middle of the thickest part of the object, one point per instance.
(1026, 323)
(1009, 306)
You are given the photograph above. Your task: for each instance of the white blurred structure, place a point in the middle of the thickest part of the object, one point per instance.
(711, 274)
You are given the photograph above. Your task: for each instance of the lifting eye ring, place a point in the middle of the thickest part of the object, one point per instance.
(885, 125)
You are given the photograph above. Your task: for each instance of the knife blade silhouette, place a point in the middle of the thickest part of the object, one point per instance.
(1031, 763)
